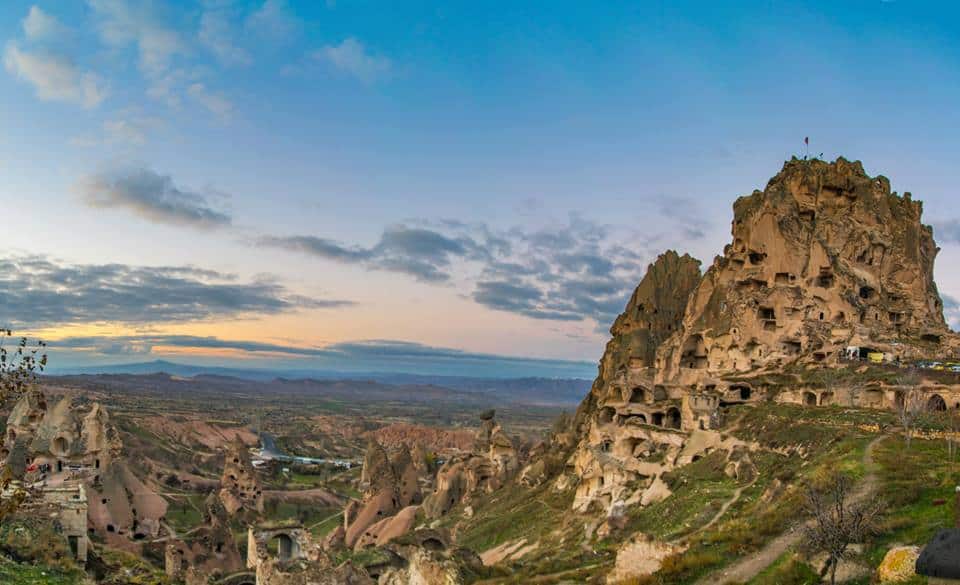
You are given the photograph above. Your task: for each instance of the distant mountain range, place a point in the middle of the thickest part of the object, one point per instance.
(531, 390)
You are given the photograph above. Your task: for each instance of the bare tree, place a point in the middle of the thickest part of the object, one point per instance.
(910, 409)
(839, 519)
(20, 365)
(951, 423)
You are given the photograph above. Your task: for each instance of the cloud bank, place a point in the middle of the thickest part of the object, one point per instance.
(568, 272)
(40, 292)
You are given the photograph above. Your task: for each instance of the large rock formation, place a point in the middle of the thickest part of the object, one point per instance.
(74, 434)
(75, 441)
(826, 264)
(391, 486)
(239, 486)
(824, 258)
(494, 461)
(208, 550)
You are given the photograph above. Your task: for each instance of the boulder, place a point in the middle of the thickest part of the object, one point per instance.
(898, 564)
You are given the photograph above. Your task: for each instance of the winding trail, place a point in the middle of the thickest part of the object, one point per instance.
(723, 509)
(751, 565)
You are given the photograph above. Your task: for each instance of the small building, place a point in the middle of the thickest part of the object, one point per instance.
(69, 505)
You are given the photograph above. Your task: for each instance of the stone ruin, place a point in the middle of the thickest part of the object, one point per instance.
(826, 265)
(298, 560)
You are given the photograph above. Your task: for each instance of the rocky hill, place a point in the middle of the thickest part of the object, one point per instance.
(826, 265)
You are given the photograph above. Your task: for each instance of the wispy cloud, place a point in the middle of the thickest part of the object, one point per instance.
(214, 102)
(126, 128)
(351, 57)
(54, 78)
(130, 23)
(41, 292)
(40, 26)
(219, 33)
(274, 20)
(151, 196)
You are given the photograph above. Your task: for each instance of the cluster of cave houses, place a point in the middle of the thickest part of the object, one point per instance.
(399, 490)
(67, 461)
(634, 401)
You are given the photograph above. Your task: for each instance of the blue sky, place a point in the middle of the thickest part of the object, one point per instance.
(485, 177)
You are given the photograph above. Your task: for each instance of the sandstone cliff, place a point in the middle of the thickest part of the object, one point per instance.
(826, 264)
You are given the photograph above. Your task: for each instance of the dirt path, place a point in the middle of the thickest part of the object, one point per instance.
(723, 509)
(751, 565)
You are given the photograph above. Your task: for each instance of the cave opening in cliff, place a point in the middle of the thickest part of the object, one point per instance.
(638, 395)
(744, 392)
(809, 399)
(826, 398)
(826, 278)
(784, 278)
(767, 313)
(694, 355)
(757, 257)
(60, 446)
(867, 292)
(792, 347)
(672, 419)
(606, 415)
(936, 403)
(657, 419)
(659, 392)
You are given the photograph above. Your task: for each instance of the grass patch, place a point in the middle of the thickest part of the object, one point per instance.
(788, 570)
(12, 573)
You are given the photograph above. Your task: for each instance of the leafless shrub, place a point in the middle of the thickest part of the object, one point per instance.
(838, 519)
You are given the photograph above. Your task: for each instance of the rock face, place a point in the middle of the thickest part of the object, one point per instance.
(72, 434)
(239, 486)
(209, 549)
(824, 258)
(640, 556)
(825, 265)
(426, 558)
(75, 441)
(494, 461)
(391, 486)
